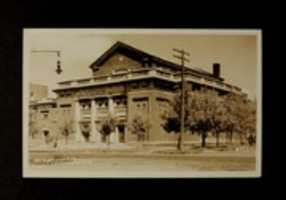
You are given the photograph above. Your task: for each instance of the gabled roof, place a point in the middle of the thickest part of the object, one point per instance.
(141, 55)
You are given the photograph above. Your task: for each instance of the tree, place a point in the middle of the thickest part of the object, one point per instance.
(240, 116)
(206, 111)
(247, 125)
(139, 127)
(85, 130)
(230, 103)
(218, 117)
(66, 130)
(171, 123)
(251, 122)
(201, 108)
(107, 127)
(171, 119)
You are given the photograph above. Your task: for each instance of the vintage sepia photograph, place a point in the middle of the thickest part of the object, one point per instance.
(142, 103)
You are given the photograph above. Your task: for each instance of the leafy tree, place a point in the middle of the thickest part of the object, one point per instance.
(206, 111)
(139, 127)
(247, 120)
(240, 116)
(171, 119)
(218, 117)
(230, 102)
(202, 109)
(85, 130)
(200, 113)
(251, 122)
(66, 130)
(107, 127)
(171, 123)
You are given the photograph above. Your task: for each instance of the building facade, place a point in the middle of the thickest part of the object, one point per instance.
(125, 83)
(38, 92)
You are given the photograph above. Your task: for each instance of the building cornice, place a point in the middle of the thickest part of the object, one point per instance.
(141, 75)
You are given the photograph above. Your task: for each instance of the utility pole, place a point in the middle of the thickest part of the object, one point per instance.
(57, 52)
(183, 59)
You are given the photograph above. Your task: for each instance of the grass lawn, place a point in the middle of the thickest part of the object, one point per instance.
(148, 158)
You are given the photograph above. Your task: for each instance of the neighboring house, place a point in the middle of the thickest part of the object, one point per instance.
(38, 92)
(126, 82)
(43, 117)
(45, 114)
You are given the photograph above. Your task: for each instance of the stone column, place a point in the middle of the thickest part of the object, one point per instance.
(116, 135)
(78, 135)
(111, 112)
(96, 133)
(92, 120)
(111, 106)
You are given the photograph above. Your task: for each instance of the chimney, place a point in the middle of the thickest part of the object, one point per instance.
(216, 70)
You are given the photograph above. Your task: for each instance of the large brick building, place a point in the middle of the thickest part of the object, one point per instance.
(126, 82)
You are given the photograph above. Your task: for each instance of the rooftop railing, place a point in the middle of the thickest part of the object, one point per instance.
(145, 73)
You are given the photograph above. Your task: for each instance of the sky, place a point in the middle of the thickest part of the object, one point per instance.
(236, 52)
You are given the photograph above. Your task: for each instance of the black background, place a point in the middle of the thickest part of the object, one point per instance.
(14, 16)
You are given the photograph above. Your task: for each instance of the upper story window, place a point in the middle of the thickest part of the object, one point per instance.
(141, 102)
(65, 105)
(140, 99)
(85, 105)
(162, 102)
(120, 101)
(101, 103)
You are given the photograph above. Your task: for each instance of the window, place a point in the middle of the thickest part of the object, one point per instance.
(85, 105)
(163, 100)
(120, 101)
(140, 99)
(141, 102)
(65, 105)
(163, 103)
(45, 114)
(44, 111)
(117, 102)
